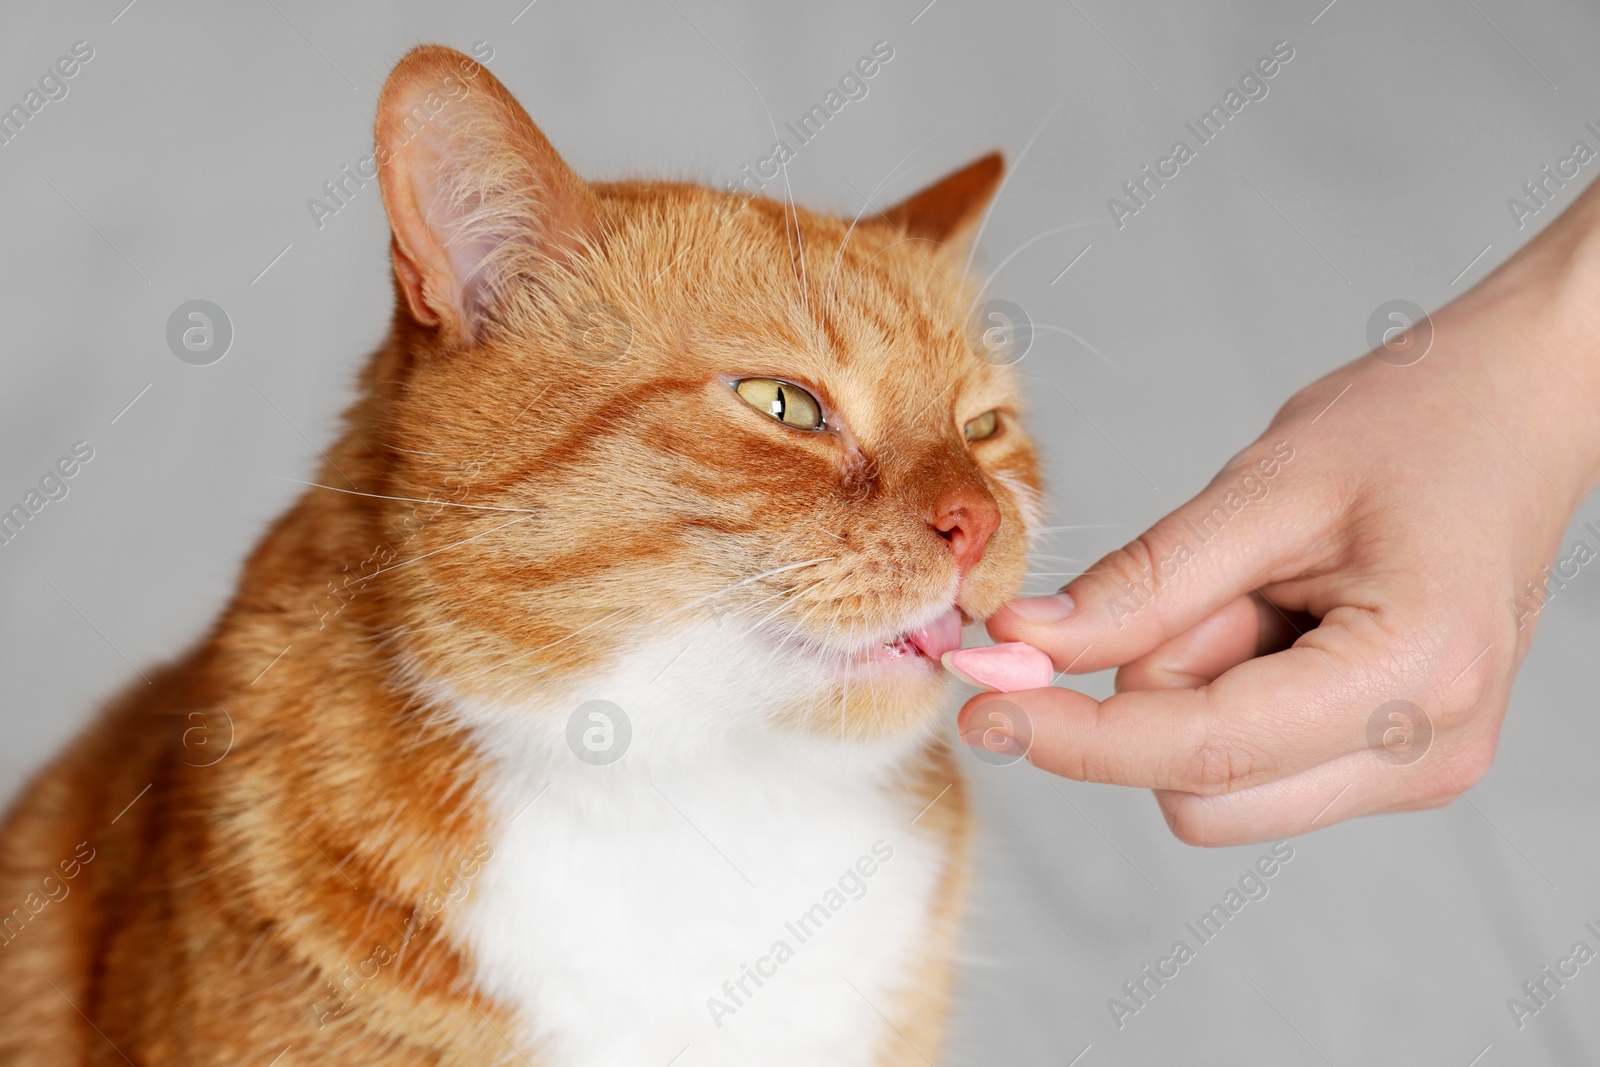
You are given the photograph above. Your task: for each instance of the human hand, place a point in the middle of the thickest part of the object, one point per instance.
(1375, 545)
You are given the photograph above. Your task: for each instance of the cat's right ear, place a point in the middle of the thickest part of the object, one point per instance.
(950, 211)
(478, 201)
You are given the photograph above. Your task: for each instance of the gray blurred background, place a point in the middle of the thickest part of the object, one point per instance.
(178, 167)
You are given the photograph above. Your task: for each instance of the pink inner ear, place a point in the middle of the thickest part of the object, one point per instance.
(477, 197)
(469, 261)
(451, 218)
(494, 220)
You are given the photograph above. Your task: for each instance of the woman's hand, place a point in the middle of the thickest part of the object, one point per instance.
(1332, 626)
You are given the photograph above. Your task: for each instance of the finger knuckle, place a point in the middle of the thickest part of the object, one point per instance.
(1078, 766)
(1191, 822)
(1468, 766)
(1087, 763)
(1220, 764)
(1463, 688)
(1451, 713)
(1133, 563)
(1464, 767)
(1069, 761)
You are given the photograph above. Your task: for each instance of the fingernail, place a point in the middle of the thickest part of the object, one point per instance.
(1043, 609)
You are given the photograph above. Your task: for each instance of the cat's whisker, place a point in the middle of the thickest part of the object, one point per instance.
(544, 647)
(833, 625)
(798, 251)
(408, 499)
(1023, 247)
(894, 172)
(1086, 526)
(788, 596)
(994, 201)
(762, 621)
(855, 279)
(1107, 360)
(396, 634)
(794, 634)
(195, 879)
(749, 609)
(872, 684)
(435, 552)
(790, 209)
(844, 694)
(792, 594)
(410, 451)
(754, 578)
(796, 637)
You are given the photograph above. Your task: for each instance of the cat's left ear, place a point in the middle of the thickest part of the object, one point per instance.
(950, 211)
(478, 200)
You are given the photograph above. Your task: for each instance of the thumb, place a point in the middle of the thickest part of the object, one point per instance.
(1236, 535)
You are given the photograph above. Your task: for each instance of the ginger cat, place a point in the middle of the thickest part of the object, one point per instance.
(587, 713)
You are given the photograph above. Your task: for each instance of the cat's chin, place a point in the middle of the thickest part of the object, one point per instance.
(895, 687)
(889, 691)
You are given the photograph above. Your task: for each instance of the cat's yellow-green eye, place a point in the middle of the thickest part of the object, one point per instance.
(983, 426)
(784, 401)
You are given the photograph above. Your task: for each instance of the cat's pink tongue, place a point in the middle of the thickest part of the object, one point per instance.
(1004, 668)
(939, 636)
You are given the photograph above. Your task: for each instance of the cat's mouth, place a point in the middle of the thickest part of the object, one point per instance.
(929, 641)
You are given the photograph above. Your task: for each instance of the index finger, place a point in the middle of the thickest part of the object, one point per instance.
(1240, 533)
(1263, 720)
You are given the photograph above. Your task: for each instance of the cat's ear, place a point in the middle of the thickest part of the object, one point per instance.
(950, 211)
(478, 200)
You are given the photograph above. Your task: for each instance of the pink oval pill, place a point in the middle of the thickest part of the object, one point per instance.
(1004, 668)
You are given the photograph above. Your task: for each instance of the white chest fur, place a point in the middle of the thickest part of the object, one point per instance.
(725, 892)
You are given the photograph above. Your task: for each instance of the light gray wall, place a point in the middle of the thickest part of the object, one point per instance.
(1378, 167)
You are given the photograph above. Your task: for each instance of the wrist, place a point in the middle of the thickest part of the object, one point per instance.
(1529, 335)
(1563, 356)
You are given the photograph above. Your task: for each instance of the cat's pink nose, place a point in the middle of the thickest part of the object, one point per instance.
(965, 516)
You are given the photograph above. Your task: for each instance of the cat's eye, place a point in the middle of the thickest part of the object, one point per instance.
(784, 401)
(983, 426)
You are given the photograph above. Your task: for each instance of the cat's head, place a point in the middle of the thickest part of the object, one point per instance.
(674, 431)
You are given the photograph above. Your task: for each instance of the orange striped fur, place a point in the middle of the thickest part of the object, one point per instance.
(545, 469)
